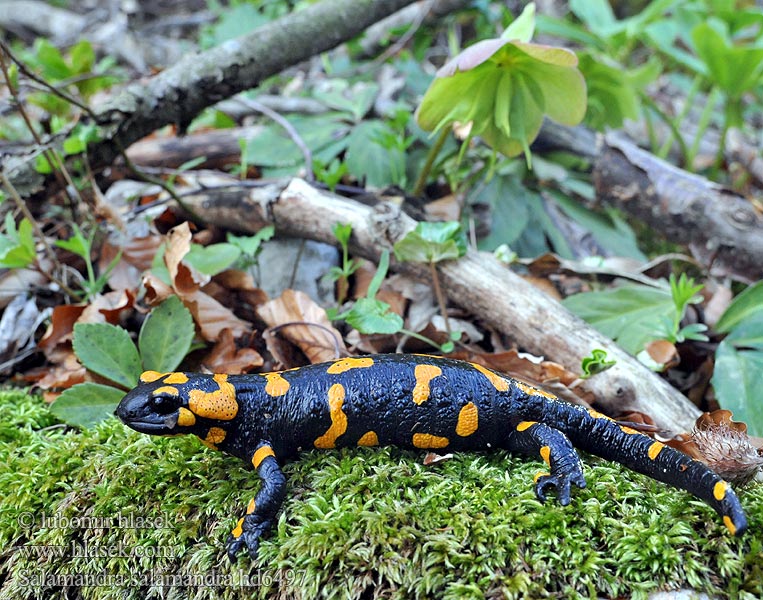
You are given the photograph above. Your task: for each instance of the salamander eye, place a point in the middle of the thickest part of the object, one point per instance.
(164, 404)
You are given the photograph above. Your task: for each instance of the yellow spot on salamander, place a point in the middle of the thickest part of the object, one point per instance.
(468, 420)
(368, 439)
(655, 449)
(261, 454)
(276, 385)
(238, 529)
(628, 430)
(251, 507)
(427, 440)
(538, 475)
(220, 404)
(338, 418)
(150, 376)
(176, 378)
(533, 391)
(166, 389)
(185, 417)
(424, 374)
(729, 524)
(526, 425)
(346, 364)
(545, 453)
(215, 435)
(719, 490)
(597, 415)
(498, 382)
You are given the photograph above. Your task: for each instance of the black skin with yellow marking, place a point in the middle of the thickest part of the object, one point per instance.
(409, 401)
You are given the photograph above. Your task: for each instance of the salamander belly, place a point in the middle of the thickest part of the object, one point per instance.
(391, 400)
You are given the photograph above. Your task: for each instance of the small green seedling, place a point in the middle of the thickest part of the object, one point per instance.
(371, 316)
(107, 350)
(431, 243)
(684, 292)
(595, 363)
(82, 246)
(341, 275)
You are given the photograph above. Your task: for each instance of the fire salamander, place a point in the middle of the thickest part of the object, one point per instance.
(409, 401)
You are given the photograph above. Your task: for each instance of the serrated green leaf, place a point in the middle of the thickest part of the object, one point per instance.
(86, 404)
(371, 316)
(166, 336)
(76, 244)
(212, 259)
(746, 304)
(736, 381)
(630, 314)
(250, 244)
(107, 350)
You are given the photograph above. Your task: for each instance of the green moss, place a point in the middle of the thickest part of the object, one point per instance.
(148, 517)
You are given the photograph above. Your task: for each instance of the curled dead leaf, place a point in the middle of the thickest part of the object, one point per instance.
(225, 357)
(304, 323)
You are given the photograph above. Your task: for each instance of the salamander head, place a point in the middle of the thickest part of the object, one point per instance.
(175, 403)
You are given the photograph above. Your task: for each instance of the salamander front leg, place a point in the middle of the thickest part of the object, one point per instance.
(262, 509)
(533, 439)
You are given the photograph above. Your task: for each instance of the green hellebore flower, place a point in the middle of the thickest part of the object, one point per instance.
(504, 88)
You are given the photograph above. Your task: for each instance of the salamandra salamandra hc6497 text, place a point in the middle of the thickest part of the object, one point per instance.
(409, 401)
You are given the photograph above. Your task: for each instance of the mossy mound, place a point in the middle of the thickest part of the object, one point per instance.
(109, 513)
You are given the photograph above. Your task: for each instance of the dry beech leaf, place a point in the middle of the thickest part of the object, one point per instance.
(61, 327)
(318, 340)
(226, 358)
(432, 458)
(64, 374)
(137, 255)
(211, 316)
(107, 308)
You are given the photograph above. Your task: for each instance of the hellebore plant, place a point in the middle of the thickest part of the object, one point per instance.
(500, 89)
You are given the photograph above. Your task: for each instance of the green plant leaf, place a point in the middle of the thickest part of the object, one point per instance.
(250, 244)
(381, 273)
(748, 333)
(212, 259)
(630, 314)
(370, 316)
(17, 248)
(746, 304)
(166, 336)
(736, 69)
(86, 404)
(431, 242)
(523, 27)
(736, 381)
(77, 244)
(107, 350)
(367, 158)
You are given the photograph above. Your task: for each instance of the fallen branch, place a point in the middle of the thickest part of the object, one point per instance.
(723, 230)
(476, 282)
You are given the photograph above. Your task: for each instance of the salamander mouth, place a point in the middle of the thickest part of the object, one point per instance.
(153, 427)
(137, 416)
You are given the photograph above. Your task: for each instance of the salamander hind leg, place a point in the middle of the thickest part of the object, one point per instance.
(261, 511)
(538, 439)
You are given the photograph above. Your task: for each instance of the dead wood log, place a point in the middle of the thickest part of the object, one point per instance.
(477, 282)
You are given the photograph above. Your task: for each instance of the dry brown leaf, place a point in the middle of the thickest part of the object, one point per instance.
(226, 358)
(312, 331)
(61, 327)
(107, 308)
